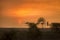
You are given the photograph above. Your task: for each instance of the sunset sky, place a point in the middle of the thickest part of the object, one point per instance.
(15, 13)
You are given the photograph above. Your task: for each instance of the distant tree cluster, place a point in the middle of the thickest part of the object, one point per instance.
(33, 33)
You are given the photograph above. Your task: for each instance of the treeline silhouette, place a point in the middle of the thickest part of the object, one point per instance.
(32, 33)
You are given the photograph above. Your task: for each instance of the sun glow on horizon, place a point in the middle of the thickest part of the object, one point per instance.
(27, 12)
(17, 12)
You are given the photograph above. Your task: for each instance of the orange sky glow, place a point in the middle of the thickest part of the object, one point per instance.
(14, 13)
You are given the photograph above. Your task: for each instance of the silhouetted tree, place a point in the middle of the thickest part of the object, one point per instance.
(33, 30)
(56, 27)
(55, 30)
(41, 21)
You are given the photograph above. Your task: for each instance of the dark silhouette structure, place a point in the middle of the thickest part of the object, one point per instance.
(41, 20)
(56, 27)
(55, 30)
(33, 31)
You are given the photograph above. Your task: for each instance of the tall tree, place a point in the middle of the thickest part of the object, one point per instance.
(41, 21)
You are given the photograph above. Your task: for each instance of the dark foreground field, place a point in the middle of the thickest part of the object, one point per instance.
(24, 34)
